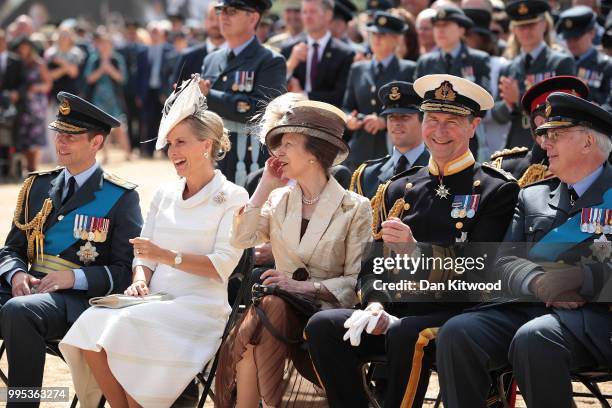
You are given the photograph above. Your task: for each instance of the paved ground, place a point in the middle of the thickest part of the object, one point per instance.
(148, 174)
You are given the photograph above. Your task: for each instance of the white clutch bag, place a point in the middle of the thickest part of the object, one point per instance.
(121, 301)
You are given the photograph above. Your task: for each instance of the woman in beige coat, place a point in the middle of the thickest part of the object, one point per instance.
(317, 231)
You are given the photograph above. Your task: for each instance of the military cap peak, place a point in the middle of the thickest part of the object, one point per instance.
(509, 152)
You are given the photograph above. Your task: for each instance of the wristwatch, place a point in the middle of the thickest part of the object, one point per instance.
(317, 286)
(178, 258)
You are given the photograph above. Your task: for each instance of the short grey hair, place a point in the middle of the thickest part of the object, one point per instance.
(603, 142)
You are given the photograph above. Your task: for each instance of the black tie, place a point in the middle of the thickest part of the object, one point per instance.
(379, 70)
(528, 60)
(71, 187)
(401, 166)
(449, 63)
(573, 196)
(231, 56)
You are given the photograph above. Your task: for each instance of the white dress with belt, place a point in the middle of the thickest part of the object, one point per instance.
(155, 349)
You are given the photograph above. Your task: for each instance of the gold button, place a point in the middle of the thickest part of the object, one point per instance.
(459, 225)
(373, 102)
(406, 207)
(408, 185)
(476, 183)
(225, 78)
(60, 217)
(250, 148)
(398, 296)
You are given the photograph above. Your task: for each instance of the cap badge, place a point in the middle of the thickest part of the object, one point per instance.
(64, 108)
(445, 92)
(568, 24)
(395, 94)
(523, 9)
(441, 14)
(548, 109)
(382, 21)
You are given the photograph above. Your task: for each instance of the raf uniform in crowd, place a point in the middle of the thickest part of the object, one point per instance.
(577, 26)
(531, 165)
(462, 61)
(400, 103)
(242, 78)
(556, 259)
(68, 242)
(528, 69)
(432, 208)
(364, 80)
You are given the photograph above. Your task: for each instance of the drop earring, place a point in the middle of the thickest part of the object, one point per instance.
(206, 155)
(311, 161)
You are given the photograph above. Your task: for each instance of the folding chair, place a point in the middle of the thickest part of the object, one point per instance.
(242, 272)
(590, 378)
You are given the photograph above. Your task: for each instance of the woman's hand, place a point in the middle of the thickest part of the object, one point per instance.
(277, 278)
(272, 176)
(137, 288)
(144, 248)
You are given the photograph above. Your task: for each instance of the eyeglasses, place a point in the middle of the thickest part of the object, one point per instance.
(231, 11)
(554, 135)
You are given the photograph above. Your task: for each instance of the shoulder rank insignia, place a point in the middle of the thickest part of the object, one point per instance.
(533, 174)
(119, 181)
(509, 152)
(45, 172)
(356, 179)
(508, 176)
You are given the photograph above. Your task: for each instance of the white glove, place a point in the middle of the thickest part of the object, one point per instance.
(364, 319)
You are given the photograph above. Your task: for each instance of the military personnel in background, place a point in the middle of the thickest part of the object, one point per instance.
(577, 26)
(565, 324)
(293, 25)
(534, 62)
(369, 137)
(453, 57)
(239, 80)
(401, 110)
(374, 6)
(344, 12)
(68, 242)
(453, 199)
(531, 165)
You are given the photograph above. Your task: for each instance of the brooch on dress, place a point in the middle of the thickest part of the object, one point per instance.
(219, 198)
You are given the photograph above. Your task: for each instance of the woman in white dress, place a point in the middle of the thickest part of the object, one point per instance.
(145, 355)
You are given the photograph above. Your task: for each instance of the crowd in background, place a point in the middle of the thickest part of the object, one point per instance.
(129, 69)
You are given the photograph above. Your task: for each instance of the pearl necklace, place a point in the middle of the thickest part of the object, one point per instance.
(311, 201)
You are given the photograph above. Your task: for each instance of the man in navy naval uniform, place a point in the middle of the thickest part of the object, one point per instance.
(401, 110)
(578, 27)
(68, 242)
(239, 80)
(435, 208)
(555, 266)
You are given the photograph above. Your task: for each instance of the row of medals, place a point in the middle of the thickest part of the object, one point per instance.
(591, 221)
(89, 228)
(243, 81)
(461, 210)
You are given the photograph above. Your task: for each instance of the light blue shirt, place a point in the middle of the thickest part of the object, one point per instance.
(583, 185)
(535, 53)
(241, 47)
(385, 61)
(454, 53)
(412, 155)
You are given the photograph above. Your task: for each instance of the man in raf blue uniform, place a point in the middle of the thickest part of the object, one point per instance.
(556, 259)
(531, 165)
(453, 57)
(369, 138)
(68, 242)
(577, 26)
(535, 62)
(239, 80)
(401, 110)
(435, 208)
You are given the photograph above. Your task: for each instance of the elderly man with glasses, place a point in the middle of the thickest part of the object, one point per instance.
(555, 265)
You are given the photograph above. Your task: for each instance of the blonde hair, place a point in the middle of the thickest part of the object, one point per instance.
(209, 125)
(513, 48)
